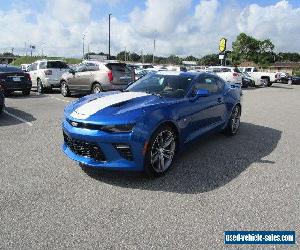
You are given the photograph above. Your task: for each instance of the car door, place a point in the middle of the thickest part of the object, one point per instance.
(32, 69)
(74, 80)
(206, 113)
(82, 78)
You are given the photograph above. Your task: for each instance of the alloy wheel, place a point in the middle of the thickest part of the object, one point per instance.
(235, 120)
(96, 89)
(163, 151)
(64, 90)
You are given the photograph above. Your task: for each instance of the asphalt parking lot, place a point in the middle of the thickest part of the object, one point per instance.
(247, 182)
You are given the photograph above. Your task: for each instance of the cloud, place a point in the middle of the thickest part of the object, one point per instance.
(279, 22)
(179, 26)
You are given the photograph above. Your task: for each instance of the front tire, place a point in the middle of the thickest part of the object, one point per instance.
(160, 152)
(40, 87)
(96, 88)
(234, 122)
(64, 89)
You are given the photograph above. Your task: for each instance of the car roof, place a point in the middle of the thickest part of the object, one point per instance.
(222, 67)
(52, 60)
(179, 73)
(105, 62)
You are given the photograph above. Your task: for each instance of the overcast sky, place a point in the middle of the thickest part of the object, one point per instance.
(181, 27)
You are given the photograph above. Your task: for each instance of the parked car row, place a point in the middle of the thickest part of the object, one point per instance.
(94, 77)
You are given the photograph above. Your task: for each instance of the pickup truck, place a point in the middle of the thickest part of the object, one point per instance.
(260, 78)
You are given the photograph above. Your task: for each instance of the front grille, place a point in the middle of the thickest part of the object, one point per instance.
(125, 151)
(84, 148)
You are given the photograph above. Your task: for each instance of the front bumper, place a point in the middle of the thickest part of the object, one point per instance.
(106, 142)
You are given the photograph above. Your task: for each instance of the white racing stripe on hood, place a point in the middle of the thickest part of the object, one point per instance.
(98, 104)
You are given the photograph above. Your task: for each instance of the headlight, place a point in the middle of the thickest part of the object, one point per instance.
(124, 128)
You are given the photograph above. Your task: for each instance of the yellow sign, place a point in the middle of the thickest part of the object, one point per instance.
(222, 44)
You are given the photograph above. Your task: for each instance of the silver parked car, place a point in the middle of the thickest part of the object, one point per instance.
(94, 77)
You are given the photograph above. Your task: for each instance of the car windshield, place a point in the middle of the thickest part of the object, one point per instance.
(10, 69)
(236, 70)
(246, 74)
(173, 86)
(57, 65)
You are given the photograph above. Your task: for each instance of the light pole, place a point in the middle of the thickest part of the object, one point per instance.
(153, 50)
(83, 37)
(42, 47)
(109, 36)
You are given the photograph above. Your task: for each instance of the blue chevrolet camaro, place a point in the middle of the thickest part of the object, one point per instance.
(143, 127)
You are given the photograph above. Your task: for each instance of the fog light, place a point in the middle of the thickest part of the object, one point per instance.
(124, 150)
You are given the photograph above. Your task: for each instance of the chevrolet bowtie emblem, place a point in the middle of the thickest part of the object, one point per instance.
(74, 124)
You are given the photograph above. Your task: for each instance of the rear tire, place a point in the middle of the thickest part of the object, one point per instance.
(64, 89)
(233, 124)
(26, 92)
(40, 87)
(96, 88)
(160, 152)
(266, 82)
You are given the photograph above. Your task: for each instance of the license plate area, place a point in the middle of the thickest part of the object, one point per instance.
(16, 79)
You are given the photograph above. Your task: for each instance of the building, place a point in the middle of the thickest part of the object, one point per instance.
(288, 67)
(189, 63)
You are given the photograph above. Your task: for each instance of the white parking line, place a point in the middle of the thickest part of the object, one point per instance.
(52, 97)
(18, 118)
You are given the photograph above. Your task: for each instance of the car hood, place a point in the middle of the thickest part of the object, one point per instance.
(112, 107)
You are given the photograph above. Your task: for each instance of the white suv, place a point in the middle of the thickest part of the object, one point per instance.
(229, 74)
(46, 74)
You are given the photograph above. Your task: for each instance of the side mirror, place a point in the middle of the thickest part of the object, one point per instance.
(202, 93)
(72, 71)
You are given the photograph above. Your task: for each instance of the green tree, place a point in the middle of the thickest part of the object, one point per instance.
(248, 48)
(211, 59)
(190, 58)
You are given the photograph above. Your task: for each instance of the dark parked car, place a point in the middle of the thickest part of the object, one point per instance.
(247, 81)
(295, 80)
(14, 79)
(2, 98)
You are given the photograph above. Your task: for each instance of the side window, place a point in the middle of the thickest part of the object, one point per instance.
(43, 65)
(33, 66)
(92, 67)
(29, 68)
(206, 82)
(220, 83)
(81, 68)
(226, 70)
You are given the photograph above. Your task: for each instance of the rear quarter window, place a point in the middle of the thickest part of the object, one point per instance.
(57, 65)
(118, 67)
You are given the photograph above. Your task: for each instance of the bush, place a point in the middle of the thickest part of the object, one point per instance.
(296, 73)
(29, 60)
